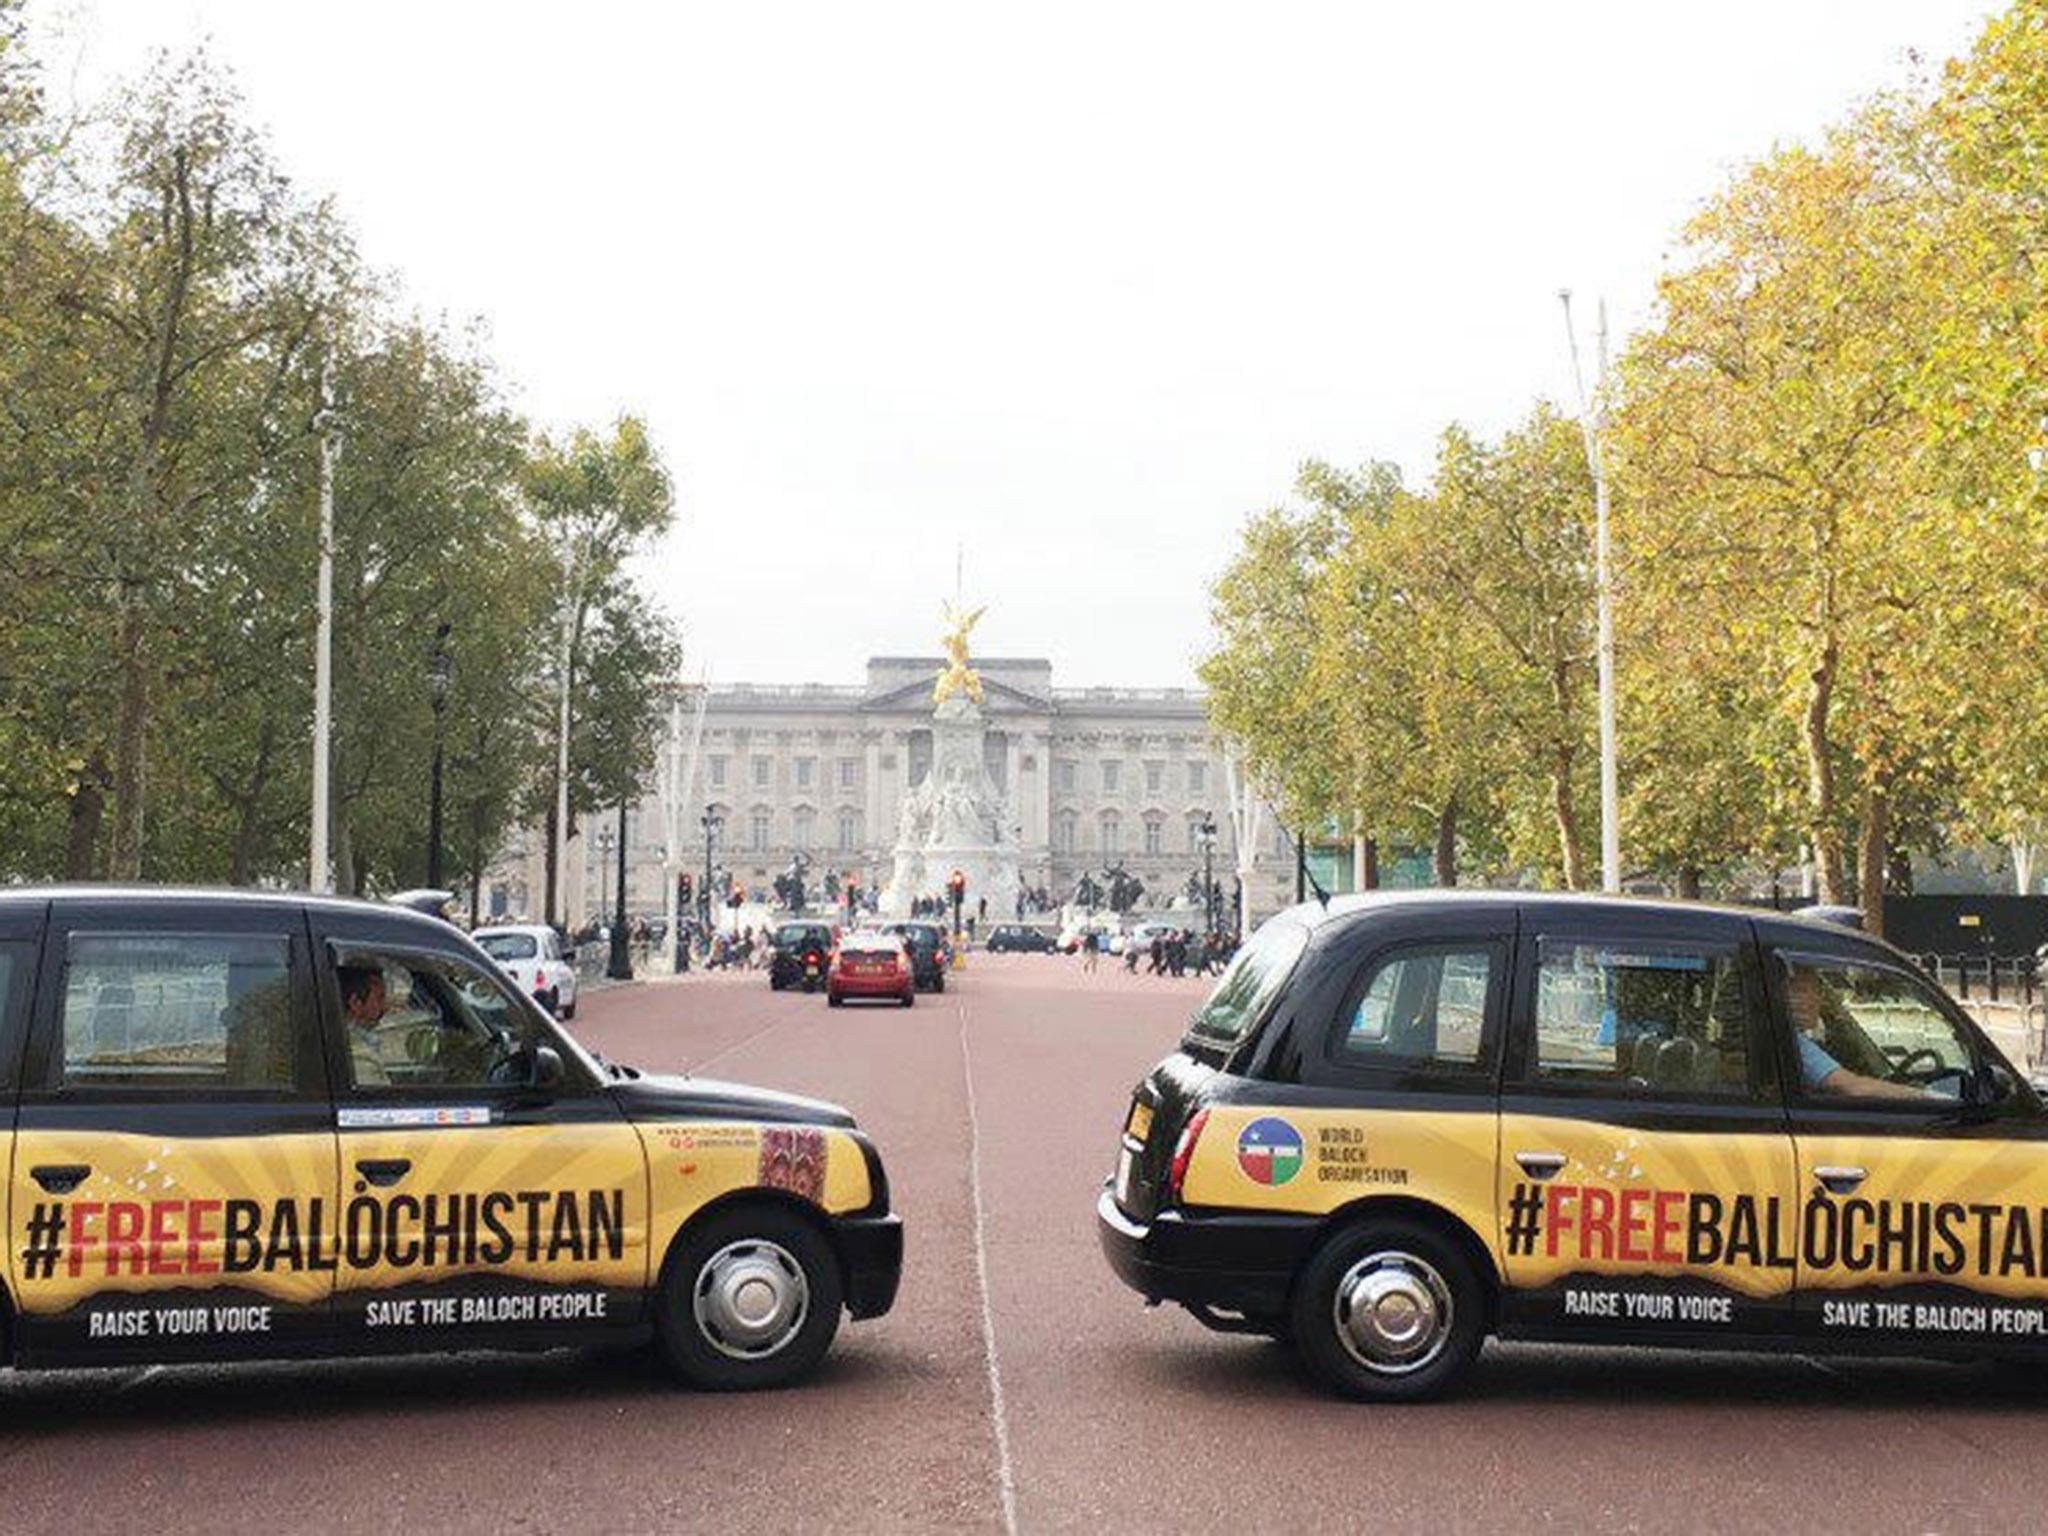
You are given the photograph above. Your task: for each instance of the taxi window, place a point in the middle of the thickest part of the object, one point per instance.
(1251, 981)
(1872, 1032)
(1642, 1018)
(177, 1011)
(510, 946)
(1425, 1003)
(417, 1021)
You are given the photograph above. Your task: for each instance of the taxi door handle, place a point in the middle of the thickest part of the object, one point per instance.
(1540, 1165)
(59, 1178)
(1840, 1181)
(384, 1171)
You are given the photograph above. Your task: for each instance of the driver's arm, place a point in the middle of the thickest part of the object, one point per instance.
(1857, 1085)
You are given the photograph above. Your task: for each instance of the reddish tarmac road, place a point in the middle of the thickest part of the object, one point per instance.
(997, 1107)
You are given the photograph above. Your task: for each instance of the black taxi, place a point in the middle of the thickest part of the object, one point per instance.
(1404, 1122)
(257, 1126)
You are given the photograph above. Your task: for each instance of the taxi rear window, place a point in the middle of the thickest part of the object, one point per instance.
(510, 946)
(1254, 978)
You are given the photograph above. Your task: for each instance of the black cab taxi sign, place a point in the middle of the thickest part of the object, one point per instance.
(260, 1126)
(1410, 1121)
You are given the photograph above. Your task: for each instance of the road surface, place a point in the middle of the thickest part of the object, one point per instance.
(1016, 1385)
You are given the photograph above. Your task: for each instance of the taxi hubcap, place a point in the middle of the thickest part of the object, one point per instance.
(751, 1299)
(1393, 1312)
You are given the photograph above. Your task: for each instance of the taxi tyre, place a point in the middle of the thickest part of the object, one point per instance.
(834, 1000)
(551, 1000)
(1410, 1257)
(783, 1234)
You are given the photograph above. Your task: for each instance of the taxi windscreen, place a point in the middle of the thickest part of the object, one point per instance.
(1242, 992)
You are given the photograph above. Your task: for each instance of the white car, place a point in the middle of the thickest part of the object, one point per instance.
(532, 956)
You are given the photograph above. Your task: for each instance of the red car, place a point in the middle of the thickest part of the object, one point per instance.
(870, 965)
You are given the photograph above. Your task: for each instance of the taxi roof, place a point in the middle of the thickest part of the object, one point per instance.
(1314, 914)
(36, 895)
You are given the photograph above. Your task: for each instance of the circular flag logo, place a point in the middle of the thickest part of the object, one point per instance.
(1269, 1151)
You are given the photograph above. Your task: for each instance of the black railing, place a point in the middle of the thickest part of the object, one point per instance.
(1987, 978)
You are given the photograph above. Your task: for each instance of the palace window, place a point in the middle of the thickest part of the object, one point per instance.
(1112, 832)
(1112, 775)
(1155, 778)
(849, 772)
(718, 762)
(806, 768)
(803, 827)
(1198, 778)
(1066, 777)
(1065, 831)
(761, 770)
(1155, 835)
(757, 830)
(849, 831)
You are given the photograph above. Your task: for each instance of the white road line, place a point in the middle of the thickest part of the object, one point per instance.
(1006, 1475)
(699, 1066)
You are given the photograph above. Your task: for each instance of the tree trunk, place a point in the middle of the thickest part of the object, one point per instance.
(548, 901)
(242, 862)
(2023, 854)
(1822, 826)
(1873, 850)
(1689, 882)
(344, 852)
(88, 811)
(476, 856)
(1567, 817)
(1445, 858)
(131, 728)
(1371, 881)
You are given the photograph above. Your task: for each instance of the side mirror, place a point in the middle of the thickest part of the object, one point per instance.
(547, 1067)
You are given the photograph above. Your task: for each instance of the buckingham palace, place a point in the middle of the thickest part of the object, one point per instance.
(1090, 777)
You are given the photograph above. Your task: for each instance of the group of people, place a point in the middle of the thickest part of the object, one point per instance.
(745, 950)
(1171, 952)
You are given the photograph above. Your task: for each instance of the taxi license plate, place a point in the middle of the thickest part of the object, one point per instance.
(1140, 1123)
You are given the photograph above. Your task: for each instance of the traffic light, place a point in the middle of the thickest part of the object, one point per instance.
(683, 890)
(956, 886)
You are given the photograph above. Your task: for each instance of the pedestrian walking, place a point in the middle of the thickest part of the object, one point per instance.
(1090, 948)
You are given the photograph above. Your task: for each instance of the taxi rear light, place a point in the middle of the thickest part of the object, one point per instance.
(1184, 1151)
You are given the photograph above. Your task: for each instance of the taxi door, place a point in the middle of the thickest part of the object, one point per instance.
(1647, 1186)
(1924, 1161)
(172, 1193)
(493, 1193)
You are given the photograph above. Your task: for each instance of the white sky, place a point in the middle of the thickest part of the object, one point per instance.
(1076, 284)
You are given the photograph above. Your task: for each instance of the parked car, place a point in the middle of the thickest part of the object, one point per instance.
(1408, 1121)
(1019, 937)
(535, 957)
(335, 1128)
(871, 965)
(930, 954)
(798, 954)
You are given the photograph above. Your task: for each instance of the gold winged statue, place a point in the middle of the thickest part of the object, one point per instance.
(958, 677)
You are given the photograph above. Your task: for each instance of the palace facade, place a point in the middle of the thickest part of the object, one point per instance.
(1090, 777)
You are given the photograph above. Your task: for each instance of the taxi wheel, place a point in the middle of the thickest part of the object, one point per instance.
(749, 1299)
(548, 1000)
(1388, 1310)
(569, 1009)
(834, 1000)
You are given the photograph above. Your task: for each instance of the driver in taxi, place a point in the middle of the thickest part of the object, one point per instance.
(1818, 1070)
(362, 1006)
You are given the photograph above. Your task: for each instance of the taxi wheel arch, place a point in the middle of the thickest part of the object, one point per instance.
(1415, 1259)
(801, 1232)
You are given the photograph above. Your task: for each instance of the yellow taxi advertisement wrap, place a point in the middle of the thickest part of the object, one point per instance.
(1314, 1161)
(1717, 1206)
(692, 1163)
(154, 1213)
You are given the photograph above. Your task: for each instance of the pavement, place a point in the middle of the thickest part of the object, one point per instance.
(1016, 1385)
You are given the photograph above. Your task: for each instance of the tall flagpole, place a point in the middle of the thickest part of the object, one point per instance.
(1592, 421)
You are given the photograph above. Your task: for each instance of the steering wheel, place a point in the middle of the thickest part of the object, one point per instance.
(1903, 1068)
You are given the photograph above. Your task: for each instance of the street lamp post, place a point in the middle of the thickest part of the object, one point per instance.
(1208, 831)
(711, 824)
(604, 850)
(440, 670)
(620, 966)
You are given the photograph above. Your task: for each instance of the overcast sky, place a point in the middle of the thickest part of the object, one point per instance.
(1077, 286)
